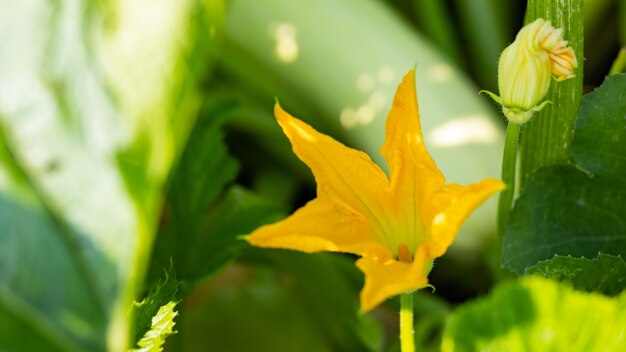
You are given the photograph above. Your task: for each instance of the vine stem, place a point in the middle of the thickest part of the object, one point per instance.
(509, 160)
(407, 342)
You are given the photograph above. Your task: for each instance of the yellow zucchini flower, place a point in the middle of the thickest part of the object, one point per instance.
(538, 53)
(396, 224)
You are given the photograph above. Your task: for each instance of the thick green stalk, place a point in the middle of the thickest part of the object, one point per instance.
(546, 138)
(407, 341)
(508, 176)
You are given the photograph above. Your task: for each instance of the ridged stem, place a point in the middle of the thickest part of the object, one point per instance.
(546, 138)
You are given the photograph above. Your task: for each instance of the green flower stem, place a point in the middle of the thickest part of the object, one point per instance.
(407, 341)
(508, 176)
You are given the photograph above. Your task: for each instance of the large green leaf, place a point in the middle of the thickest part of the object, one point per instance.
(535, 314)
(599, 144)
(565, 212)
(577, 210)
(35, 249)
(606, 273)
(82, 83)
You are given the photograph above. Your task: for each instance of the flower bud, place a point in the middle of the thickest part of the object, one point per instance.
(525, 67)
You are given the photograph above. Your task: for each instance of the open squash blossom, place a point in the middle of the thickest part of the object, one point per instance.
(397, 225)
(538, 53)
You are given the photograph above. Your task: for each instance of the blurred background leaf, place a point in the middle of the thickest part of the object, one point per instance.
(312, 300)
(90, 128)
(536, 314)
(204, 214)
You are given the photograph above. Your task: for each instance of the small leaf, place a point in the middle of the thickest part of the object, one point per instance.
(563, 211)
(162, 327)
(536, 314)
(599, 144)
(144, 312)
(605, 273)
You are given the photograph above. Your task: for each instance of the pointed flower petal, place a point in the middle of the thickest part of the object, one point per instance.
(411, 167)
(456, 203)
(344, 175)
(385, 278)
(320, 225)
(414, 176)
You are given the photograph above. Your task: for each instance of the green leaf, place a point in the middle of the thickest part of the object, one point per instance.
(565, 212)
(311, 299)
(162, 327)
(94, 81)
(32, 303)
(535, 314)
(334, 311)
(605, 274)
(218, 240)
(165, 292)
(204, 218)
(599, 144)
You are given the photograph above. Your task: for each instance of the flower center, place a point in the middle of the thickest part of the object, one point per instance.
(403, 253)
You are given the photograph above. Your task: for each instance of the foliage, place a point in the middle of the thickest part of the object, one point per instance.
(137, 138)
(536, 314)
(162, 324)
(143, 313)
(154, 315)
(577, 210)
(204, 213)
(605, 274)
(88, 137)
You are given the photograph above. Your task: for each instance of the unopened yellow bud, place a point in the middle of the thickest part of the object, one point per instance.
(526, 66)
